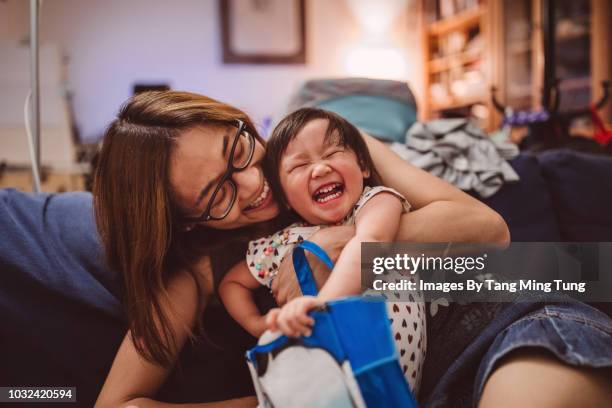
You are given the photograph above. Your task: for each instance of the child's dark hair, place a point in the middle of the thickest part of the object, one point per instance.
(338, 128)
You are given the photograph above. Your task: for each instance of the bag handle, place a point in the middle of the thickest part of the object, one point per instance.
(303, 271)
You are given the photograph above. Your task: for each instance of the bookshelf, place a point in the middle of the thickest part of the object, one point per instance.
(457, 64)
(471, 45)
(582, 60)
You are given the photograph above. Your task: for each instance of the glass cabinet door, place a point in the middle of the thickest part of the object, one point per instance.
(573, 52)
(524, 52)
(519, 52)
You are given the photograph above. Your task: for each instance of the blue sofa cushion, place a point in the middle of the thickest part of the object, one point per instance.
(52, 238)
(380, 116)
(527, 206)
(581, 186)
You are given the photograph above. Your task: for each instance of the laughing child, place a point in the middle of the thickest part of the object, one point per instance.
(320, 167)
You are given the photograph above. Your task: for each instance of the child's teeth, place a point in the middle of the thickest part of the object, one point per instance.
(327, 189)
(330, 197)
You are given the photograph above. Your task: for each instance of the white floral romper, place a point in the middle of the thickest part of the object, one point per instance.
(407, 319)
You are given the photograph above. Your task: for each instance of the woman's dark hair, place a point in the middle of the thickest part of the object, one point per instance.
(137, 219)
(339, 131)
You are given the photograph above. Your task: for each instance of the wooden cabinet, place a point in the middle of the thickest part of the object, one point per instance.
(470, 46)
(457, 62)
(582, 36)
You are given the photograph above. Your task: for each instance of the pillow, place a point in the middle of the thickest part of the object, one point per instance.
(527, 206)
(383, 117)
(384, 108)
(581, 186)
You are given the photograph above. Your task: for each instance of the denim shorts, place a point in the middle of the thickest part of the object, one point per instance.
(459, 360)
(574, 333)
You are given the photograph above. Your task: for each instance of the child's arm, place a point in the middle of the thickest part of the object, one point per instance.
(377, 221)
(236, 291)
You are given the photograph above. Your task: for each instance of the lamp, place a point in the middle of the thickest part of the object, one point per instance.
(375, 55)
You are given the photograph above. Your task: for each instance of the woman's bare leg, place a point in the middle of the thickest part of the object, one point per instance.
(534, 378)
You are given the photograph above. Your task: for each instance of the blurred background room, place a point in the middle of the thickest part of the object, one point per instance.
(256, 54)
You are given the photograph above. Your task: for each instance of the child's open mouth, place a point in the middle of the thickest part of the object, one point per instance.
(328, 192)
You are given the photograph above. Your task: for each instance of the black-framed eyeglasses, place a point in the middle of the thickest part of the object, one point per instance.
(224, 195)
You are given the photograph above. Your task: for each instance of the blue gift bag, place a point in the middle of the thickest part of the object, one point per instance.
(350, 359)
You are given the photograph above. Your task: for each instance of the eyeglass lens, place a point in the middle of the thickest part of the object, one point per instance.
(225, 197)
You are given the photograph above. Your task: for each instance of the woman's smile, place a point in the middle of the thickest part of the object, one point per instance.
(199, 159)
(263, 199)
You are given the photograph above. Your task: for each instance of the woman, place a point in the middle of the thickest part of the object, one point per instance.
(180, 173)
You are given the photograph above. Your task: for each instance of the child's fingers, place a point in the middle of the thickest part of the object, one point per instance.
(302, 317)
(293, 319)
(284, 326)
(304, 320)
(299, 319)
(305, 324)
(271, 319)
(290, 318)
(282, 322)
(307, 305)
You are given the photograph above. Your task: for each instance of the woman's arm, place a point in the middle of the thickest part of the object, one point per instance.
(132, 380)
(442, 212)
(236, 291)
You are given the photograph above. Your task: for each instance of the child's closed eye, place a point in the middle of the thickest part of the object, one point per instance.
(295, 166)
(333, 152)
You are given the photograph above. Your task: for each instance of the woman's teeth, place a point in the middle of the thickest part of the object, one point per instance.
(264, 194)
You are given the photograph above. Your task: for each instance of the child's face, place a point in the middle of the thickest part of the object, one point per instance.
(322, 181)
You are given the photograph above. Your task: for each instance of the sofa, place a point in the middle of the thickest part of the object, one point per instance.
(563, 195)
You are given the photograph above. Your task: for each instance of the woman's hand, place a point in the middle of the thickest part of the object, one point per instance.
(285, 286)
(292, 319)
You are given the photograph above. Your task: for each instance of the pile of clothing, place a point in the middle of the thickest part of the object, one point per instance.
(459, 152)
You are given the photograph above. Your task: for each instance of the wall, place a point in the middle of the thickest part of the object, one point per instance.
(111, 44)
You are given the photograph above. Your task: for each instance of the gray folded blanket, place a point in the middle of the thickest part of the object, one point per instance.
(459, 152)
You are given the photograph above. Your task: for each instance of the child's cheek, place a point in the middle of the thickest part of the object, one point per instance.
(288, 184)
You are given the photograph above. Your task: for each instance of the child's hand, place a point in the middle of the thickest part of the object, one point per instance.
(292, 319)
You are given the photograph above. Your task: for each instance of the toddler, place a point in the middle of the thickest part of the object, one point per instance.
(321, 169)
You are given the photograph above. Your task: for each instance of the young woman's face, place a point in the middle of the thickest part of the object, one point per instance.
(198, 162)
(321, 180)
